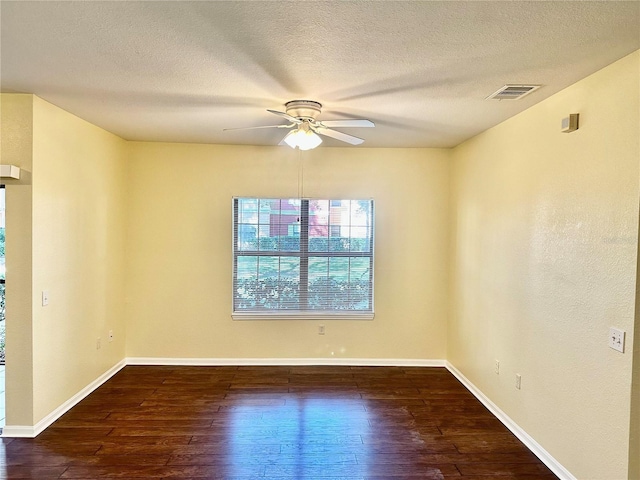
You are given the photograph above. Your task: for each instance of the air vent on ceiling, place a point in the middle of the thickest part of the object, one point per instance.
(513, 92)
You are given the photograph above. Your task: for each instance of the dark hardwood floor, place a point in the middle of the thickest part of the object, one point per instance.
(275, 423)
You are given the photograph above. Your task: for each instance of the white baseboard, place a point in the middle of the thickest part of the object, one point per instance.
(32, 432)
(352, 362)
(544, 456)
(18, 431)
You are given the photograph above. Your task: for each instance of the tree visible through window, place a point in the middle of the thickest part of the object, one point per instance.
(302, 257)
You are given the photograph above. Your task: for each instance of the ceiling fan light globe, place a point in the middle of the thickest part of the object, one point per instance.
(290, 140)
(311, 140)
(304, 140)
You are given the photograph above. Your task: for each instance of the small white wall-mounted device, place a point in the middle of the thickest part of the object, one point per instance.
(570, 124)
(9, 171)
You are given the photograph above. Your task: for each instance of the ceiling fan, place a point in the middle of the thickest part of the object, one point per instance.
(305, 127)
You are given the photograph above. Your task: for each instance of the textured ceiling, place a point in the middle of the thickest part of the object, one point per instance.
(182, 71)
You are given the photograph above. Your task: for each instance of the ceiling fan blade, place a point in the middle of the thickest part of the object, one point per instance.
(348, 123)
(285, 115)
(327, 132)
(263, 126)
(282, 142)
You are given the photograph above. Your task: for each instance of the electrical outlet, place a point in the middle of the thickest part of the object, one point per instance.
(98, 343)
(518, 381)
(496, 367)
(616, 339)
(45, 298)
(111, 335)
(321, 330)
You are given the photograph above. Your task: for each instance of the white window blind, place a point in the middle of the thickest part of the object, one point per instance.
(302, 258)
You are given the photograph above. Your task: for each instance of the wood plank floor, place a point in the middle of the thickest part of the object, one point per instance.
(275, 423)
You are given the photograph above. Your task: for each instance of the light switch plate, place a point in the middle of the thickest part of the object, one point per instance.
(45, 298)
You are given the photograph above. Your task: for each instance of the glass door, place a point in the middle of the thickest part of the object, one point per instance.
(2, 316)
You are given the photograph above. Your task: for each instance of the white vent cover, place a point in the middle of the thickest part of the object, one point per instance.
(513, 92)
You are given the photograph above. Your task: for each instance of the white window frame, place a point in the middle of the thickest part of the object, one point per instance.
(311, 314)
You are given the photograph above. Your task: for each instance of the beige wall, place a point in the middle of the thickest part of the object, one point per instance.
(65, 221)
(16, 132)
(179, 250)
(544, 261)
(78, 253)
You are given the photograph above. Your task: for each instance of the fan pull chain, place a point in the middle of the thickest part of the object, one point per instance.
(300, 175)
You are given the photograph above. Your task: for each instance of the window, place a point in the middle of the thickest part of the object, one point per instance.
(302, 258)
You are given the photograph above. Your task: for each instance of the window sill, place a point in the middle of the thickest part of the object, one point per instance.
(301, 316)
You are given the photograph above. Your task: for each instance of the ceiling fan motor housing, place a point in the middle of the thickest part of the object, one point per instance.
(303, 109)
